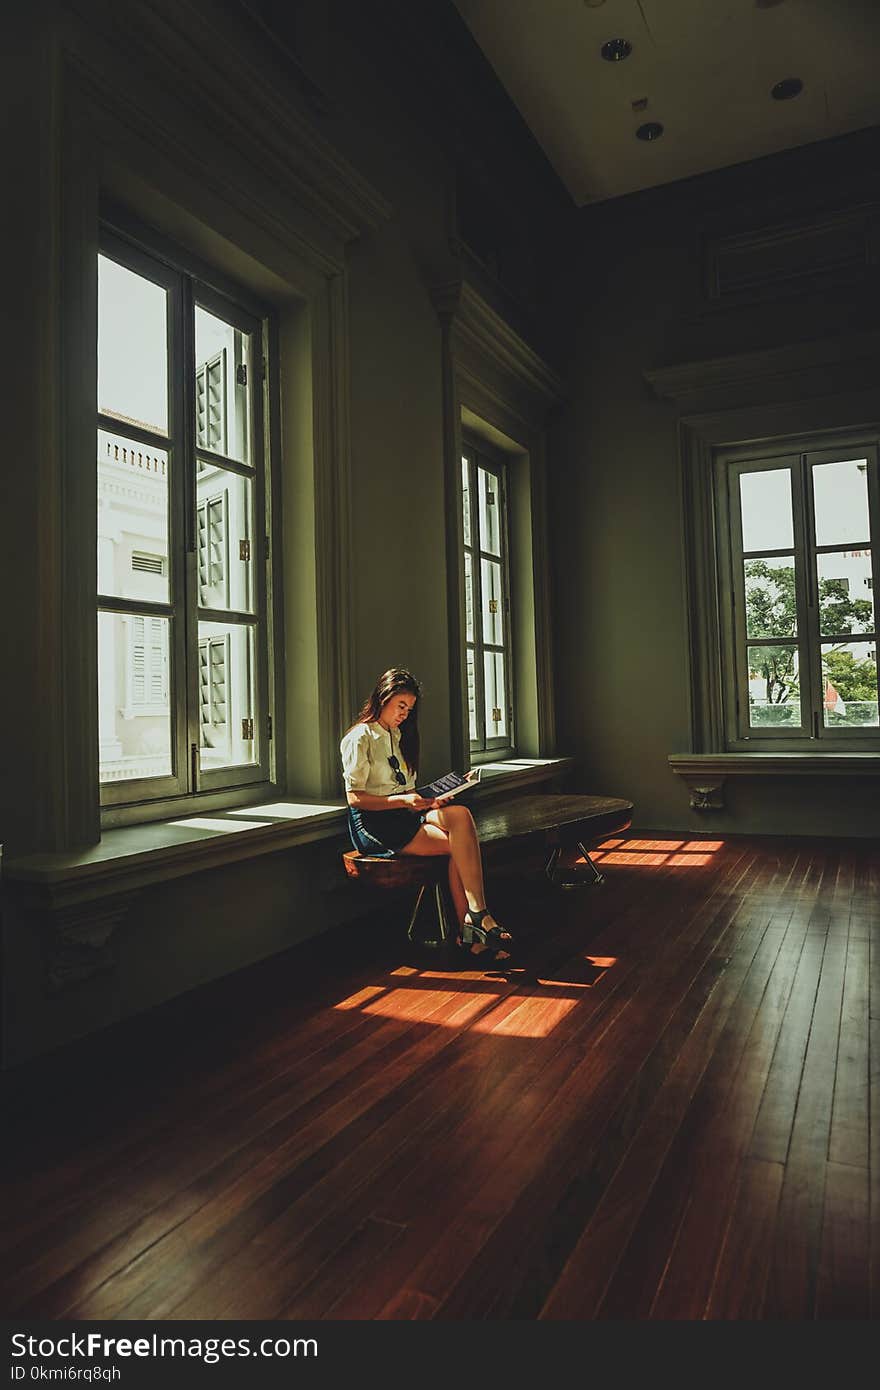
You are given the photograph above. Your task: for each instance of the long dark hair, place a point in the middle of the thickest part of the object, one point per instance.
(396, 681)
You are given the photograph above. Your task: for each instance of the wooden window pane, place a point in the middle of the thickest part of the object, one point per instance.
(226, 695)
(840, 497)
(494, 695)
(466, 499)
(223, 365)
(132, 347)
(211, 404)
(849, 685)
(472, 697)
(771, 600)
(489, 512)
(846, 600)
(132, 519)
(468, 597)
(134, 713)
(766, 509)
(774, 687)
(492, 601)
(226, 543)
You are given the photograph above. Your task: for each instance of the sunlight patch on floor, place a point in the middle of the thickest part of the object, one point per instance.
(418, 1005)
(363, 997)
(469, 999)
(619, 856)
(534, 1018)
(688, 854)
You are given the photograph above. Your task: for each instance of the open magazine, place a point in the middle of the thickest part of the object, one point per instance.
(449, 786)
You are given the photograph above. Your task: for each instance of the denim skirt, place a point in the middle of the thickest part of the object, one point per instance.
(381, 834)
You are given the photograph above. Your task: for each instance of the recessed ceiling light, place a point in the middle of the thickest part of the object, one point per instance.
(786, 89)
(615, 50)
(651, 130)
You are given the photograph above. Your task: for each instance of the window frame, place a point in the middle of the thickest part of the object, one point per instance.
(475, 455)
(799, 455)
(187, 288)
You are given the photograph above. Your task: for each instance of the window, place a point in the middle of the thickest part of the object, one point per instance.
(800, 533)
(183, 702)
(488, 661)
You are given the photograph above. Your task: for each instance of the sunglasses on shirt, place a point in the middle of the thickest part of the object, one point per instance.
(395, 767)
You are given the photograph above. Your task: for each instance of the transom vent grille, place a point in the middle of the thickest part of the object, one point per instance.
(147, 564)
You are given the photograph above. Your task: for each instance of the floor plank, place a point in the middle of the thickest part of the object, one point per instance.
(665, 1109)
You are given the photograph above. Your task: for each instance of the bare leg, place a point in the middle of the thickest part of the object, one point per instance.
(464, 848)
(451, 831)
(456, 888)
(464, 851)
(432, 839)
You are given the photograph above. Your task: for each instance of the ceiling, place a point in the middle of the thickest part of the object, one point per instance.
(705, 69)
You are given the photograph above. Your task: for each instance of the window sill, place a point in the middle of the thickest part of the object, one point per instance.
(705, 773)
(508, 773)
(132, 857)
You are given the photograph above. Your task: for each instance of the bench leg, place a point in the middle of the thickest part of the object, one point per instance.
(445, 915)
(578, 878)
(550, 866)
(597, 877)
(440, 921)
(415, 913)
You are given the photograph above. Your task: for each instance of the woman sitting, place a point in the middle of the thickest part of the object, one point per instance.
(387, 817)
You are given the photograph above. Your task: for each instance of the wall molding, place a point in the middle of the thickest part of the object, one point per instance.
(216, 62)
(333, 567)
(790, 370)
(794, 256)
(704, 774)
(479, 332)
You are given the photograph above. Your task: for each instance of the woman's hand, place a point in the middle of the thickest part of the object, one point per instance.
(414, 801)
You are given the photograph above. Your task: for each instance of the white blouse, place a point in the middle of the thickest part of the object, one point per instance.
(365, 751)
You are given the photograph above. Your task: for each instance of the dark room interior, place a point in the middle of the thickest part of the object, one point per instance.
(532, 348)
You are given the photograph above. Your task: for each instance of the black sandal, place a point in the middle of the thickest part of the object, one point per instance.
(492, 938)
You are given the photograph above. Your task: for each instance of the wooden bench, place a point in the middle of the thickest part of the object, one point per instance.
(550, 821)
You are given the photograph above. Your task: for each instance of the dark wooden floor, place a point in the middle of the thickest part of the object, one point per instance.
(669, 1111)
